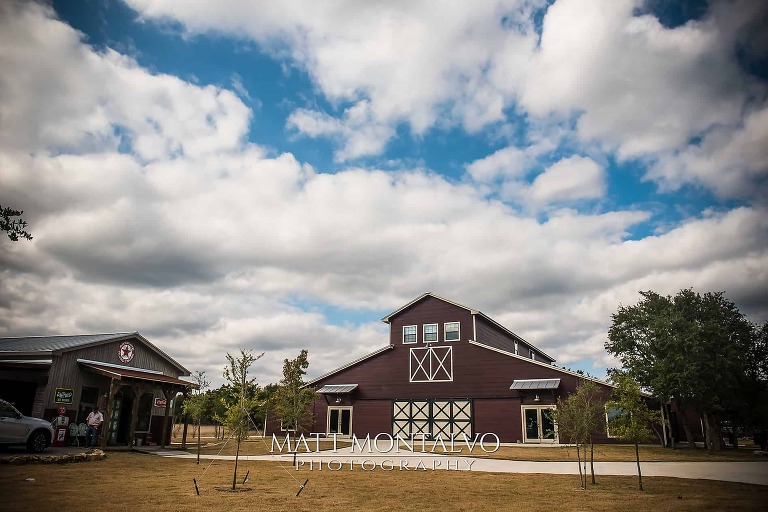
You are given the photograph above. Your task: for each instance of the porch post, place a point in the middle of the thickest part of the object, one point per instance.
(137, 390)
(168, 394)
(108, 414)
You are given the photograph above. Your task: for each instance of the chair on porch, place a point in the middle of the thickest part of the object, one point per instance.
(73, 433)
(82, 431)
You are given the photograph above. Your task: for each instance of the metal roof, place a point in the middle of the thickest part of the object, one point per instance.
(337, 388)
(51, 343)
(134, 373)
(45, 345)
(535, 384)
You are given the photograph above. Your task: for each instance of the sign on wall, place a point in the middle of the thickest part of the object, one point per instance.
(63, 396)
(126, 351)
(160, 402)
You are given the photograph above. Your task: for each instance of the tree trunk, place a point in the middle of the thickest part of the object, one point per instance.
(639, 474)
(582, 480)
(237, 456)
(713, 438)
(592, 459)
(687, 430)
(198, 440)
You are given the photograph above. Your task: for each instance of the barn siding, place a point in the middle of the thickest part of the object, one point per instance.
(66, 372)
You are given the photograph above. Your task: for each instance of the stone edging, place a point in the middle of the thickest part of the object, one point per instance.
(54, 459)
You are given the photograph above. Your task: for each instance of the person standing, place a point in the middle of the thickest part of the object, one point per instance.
(94, 421)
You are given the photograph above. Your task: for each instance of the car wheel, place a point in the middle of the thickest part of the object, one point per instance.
(37, 441)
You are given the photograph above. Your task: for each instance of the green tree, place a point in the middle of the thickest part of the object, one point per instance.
(13, 227)
(692, 348)
(634, 422)
(237, 417)
(578, 418)
(291, 400)
(197, 404)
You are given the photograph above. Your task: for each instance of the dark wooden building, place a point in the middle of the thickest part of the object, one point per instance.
(131, 380)
(448, 369)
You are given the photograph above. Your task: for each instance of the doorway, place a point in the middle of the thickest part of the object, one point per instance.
(339, 421)
(120, 420)
(539, 425)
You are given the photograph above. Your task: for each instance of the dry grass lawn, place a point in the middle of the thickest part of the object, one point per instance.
(136, 482)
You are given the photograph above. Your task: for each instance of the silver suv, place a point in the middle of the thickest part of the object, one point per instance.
(15, 428)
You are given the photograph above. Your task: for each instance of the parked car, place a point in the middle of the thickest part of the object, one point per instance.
(15, 428)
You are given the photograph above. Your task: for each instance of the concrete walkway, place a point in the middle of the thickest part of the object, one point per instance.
(744, 472)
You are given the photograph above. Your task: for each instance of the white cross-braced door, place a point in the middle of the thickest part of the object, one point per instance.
(441, 417)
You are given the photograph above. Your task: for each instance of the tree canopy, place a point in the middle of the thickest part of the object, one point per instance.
(697, 349)
(14, 228)
(291, 400)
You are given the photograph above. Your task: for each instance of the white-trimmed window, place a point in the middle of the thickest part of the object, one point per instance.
(452, 332)
(430, 333)
(611, 413)
(409, 334)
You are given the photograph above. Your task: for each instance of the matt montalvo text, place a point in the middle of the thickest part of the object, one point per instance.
(376, 452)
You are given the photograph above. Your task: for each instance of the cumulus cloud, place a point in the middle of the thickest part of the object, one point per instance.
(150, 212)
(632, 85)
(63, 96)
(569, 179)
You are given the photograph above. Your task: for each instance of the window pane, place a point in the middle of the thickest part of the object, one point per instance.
(452, 331)
(409, 334)
(430, 332)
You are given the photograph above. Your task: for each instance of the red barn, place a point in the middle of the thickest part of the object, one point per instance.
(448, 369)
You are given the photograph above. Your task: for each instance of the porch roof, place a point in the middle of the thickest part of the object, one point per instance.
(122, 372)
(535, 384)
(337, 389)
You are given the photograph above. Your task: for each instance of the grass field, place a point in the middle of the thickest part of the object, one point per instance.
(127, 481)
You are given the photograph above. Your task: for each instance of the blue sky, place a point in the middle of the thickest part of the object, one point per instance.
(280, 177)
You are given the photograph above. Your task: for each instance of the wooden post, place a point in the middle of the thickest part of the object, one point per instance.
(137, 390)
(108, 414)
(167, 393)
(186, 423)
(184, 432)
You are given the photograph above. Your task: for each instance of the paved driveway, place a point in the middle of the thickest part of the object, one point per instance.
(744, 472)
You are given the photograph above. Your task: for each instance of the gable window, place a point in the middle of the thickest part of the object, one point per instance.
(430, 333)
(451, 331)
(409, 334)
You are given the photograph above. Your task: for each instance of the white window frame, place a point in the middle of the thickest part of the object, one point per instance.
(458, 331)
(424, 333)
(415, 334)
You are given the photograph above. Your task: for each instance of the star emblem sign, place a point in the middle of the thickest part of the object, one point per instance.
(126, 352)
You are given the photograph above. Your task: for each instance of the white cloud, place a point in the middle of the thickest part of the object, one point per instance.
(732, 162)
(402, 61)
(97, 100)
(569, 179)
(642, 88)
(205, 250)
